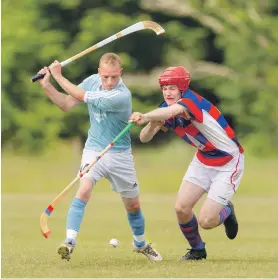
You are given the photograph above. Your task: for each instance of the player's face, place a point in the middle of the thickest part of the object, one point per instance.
(110, 75)
(171, 94)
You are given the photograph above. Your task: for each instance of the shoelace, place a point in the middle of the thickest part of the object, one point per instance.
(189, 254)
(149, 250)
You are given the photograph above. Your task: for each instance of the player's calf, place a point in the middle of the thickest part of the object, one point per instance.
(209, 214)
(208, 222)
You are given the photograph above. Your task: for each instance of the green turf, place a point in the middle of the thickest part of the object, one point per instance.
(29, 184)
(159, 170)
(25, 253)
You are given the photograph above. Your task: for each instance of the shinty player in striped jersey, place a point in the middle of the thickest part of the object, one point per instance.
(217, 166)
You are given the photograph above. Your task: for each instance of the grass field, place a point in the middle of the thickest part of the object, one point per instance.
(25, 253)
(30, 183)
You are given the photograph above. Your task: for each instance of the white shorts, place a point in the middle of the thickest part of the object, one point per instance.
(220, 182)
(117, 167)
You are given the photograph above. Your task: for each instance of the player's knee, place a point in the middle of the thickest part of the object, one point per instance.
(182, 210)
(133, 207)
(207, 222)
(84, 193)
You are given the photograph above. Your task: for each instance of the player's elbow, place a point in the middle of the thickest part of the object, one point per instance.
(69, 103)
(81, 98)
(144, 140)
(65, 108)
(145, 137)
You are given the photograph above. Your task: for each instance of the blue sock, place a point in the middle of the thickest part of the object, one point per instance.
(224, 214)
(191, 232)
(137, 224)
(75, 214)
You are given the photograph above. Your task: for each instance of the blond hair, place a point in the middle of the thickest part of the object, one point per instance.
(110, 59)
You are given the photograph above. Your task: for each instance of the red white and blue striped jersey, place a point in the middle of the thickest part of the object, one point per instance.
(207, 130)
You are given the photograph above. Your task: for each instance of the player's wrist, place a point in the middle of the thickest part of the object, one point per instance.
(46, 85)
(146, 118)
(58, 78)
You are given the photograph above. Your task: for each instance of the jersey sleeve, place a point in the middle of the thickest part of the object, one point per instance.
(87, 83)
(193, 109)
(112, 100)
(168, 123)
(82, 85)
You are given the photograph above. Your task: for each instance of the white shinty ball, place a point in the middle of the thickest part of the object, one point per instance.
(114, 242)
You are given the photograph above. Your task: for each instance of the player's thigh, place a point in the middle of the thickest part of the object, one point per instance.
(122, 175)
(84, 191)
(188, 195)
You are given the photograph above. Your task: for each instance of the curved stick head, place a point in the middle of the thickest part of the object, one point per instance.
(43, 225)
(153, 26)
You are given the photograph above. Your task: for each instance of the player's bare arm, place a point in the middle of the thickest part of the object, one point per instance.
(70, 88)
(160, 114)
(150, 130)
(64, 102)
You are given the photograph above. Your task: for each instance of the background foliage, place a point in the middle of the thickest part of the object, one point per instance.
(230, 47)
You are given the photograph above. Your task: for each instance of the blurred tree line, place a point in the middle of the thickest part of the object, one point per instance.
(230, 48)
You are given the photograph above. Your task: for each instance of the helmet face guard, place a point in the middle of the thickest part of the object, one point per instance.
(175, 76)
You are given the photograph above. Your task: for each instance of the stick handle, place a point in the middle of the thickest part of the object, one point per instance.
(131, 29)
(37, 77)
(124, 131)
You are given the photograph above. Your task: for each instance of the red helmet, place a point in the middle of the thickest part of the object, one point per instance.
(177, 76)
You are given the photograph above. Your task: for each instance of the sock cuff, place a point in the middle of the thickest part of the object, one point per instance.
(192, 222)
(79, 202)
(133, 214)
(139, 238)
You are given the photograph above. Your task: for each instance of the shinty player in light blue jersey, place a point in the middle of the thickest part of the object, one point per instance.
(109, 111)
(109, 105)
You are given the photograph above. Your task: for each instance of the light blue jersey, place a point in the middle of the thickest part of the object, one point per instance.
(109, 112)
